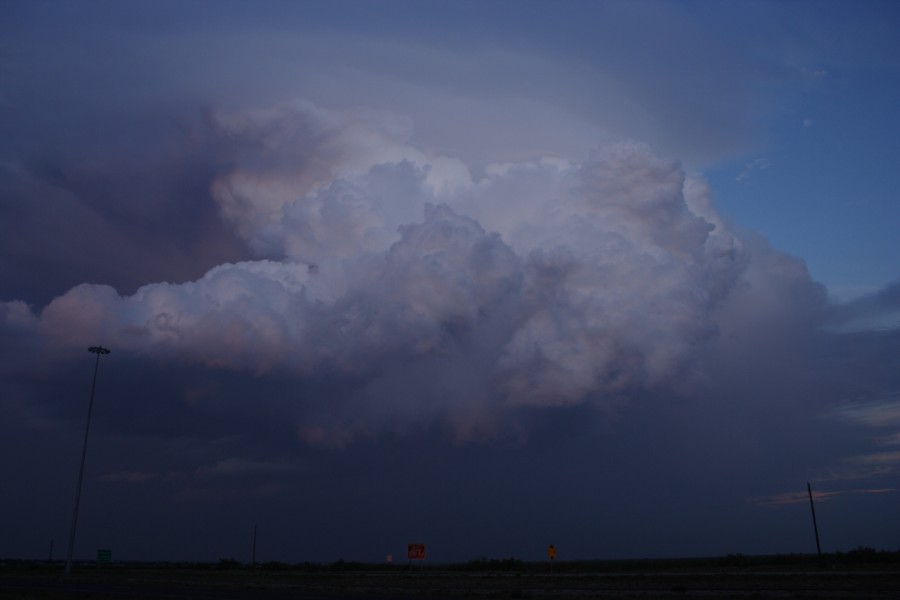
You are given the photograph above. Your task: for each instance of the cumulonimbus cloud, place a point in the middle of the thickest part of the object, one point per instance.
(549, 283)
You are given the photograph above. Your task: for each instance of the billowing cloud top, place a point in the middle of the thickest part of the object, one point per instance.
(543, 283)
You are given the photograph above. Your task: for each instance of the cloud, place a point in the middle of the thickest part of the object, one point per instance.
(758, 164)
(789, 498)
(877, 311)
(17, 316)
(880, 463)
(881, 413)
(305, 180)
(880, 458)
(307, 299)
(541, 283)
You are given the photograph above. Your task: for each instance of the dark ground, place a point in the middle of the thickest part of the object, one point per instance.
(845, 576)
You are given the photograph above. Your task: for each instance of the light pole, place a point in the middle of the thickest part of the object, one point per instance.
(99, 351)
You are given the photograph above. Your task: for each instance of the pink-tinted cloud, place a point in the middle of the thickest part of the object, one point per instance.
(569, 283)
(788, 498)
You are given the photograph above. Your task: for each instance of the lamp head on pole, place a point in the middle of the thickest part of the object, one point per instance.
(98, 350)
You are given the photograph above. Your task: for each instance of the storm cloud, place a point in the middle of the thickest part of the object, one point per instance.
(478, 274)
(544, 283)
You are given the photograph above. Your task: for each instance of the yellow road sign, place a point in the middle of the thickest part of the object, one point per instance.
(551, 551)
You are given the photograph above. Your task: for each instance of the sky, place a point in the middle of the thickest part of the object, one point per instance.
(620, 277)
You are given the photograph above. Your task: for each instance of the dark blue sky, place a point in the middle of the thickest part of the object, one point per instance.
(616, 276)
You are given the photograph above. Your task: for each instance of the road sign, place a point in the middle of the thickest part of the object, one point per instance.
(551, 551)
(104, 556)
(415, 551)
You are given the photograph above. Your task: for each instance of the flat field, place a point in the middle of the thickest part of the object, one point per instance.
(701, 578)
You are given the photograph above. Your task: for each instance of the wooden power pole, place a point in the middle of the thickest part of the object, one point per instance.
(812, 507)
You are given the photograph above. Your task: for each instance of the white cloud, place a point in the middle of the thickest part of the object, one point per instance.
(567, 282)
(758, 164)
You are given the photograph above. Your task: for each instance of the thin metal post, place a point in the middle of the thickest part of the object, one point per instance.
(812, 507)
(253, 560)
(98, 350)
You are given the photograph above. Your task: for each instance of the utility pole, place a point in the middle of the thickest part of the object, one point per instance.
(99, 351)
(812, 507)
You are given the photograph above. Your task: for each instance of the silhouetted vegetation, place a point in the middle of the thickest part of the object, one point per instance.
(858, 557)
(862, 573)
(343, 565)
(228, 564)
(275, 565)
(490, 564)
